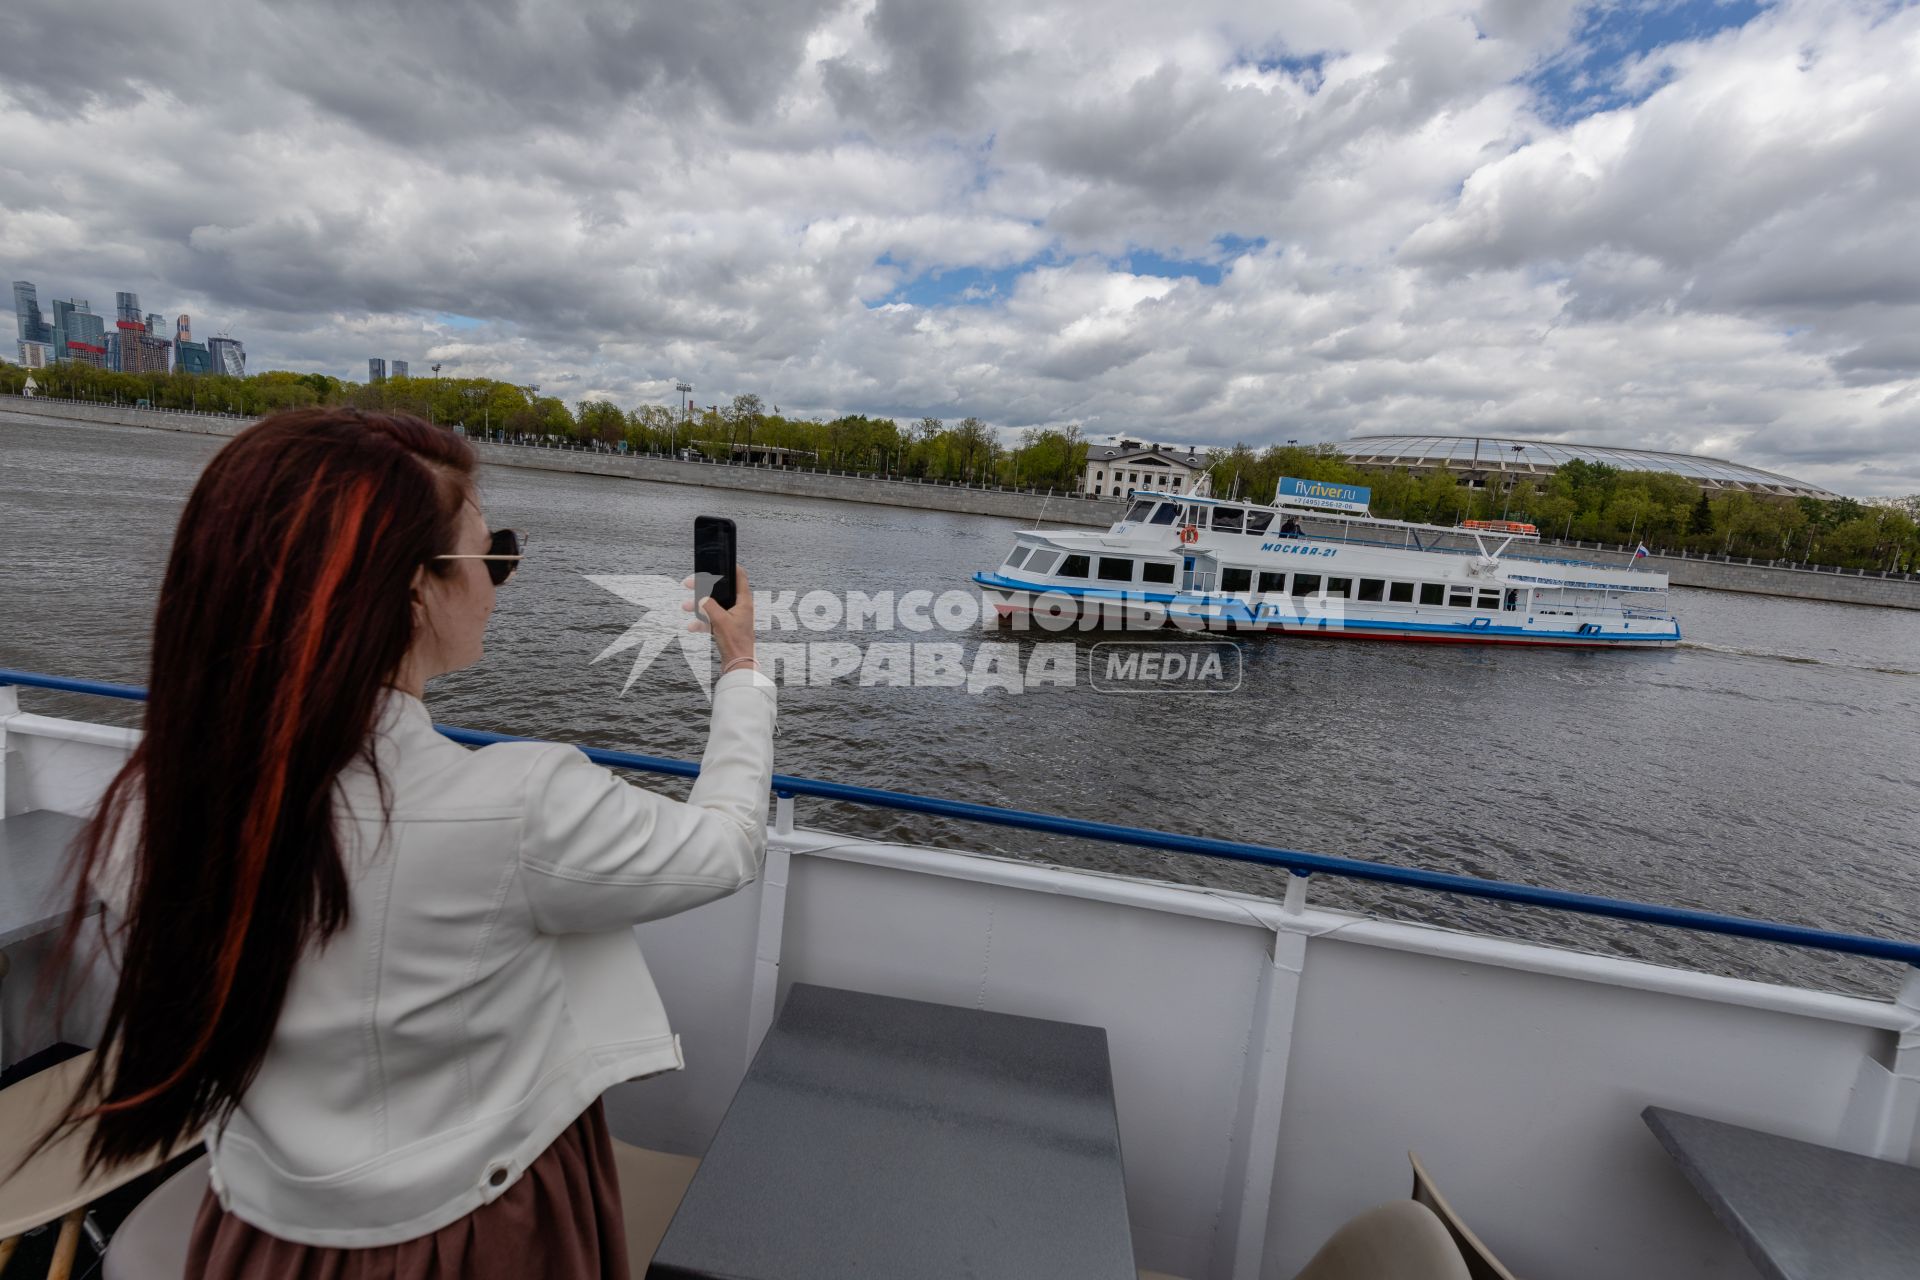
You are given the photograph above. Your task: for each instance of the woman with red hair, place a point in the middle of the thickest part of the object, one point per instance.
(387, 976)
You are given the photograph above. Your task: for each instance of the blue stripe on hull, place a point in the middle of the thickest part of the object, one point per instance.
(1239, 617)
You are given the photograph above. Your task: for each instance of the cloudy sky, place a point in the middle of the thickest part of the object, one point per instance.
(1684, 224)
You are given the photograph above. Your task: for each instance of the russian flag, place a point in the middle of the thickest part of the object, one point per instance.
(1640, 551)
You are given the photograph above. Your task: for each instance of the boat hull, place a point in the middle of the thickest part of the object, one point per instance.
(1064, 610)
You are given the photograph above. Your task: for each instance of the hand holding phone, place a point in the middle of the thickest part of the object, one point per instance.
(720, 582)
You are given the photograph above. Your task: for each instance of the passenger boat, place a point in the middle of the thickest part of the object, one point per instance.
(1273, 1061)
(1197, 562)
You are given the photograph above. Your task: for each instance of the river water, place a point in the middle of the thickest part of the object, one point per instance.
(1766, 767)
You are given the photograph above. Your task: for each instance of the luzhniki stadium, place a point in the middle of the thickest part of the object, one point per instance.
(1502, 460)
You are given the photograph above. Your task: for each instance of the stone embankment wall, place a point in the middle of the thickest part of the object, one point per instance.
(1761, 578)
(1713, 575)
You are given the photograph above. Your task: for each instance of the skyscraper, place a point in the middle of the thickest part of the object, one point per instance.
(123, 352)
(399, 368)
(26, 310)
(156, 323)
(376, 370)
(192, 357)
(229, 356)
(143, 352)
(78, 334)
(189, 356)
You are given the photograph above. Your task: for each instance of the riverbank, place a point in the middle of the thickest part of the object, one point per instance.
(1711, 574)
(1058, 509)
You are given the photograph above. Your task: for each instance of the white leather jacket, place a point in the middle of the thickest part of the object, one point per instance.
(487, 987)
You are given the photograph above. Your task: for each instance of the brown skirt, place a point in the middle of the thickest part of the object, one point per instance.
(561, 1220)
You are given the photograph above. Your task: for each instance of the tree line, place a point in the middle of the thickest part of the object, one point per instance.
(1579, 500)
(964, 452)
(1594, 502)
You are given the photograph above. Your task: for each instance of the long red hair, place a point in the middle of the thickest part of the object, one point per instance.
(285, 611)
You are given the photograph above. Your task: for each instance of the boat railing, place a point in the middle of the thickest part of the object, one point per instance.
(1408, 544)
(1301, 864)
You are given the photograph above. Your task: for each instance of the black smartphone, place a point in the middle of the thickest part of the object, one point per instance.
(713, 559)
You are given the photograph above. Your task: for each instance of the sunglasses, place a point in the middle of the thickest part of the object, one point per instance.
(502, 557)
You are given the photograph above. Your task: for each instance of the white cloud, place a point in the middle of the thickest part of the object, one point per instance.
(614, 195)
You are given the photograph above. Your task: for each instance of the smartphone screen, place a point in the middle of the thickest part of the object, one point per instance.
(713, 542)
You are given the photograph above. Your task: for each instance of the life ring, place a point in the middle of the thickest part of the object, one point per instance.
(1189, 533)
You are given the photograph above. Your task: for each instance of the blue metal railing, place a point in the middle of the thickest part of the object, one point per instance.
(1141, 837)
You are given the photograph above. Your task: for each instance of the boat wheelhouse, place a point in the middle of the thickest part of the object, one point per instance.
(1199, 562)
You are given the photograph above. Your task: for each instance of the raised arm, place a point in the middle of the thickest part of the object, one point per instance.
(597, 852)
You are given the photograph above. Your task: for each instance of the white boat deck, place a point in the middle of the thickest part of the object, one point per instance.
(1273, 1063)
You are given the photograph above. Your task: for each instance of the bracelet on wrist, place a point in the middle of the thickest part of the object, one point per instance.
(737, 664)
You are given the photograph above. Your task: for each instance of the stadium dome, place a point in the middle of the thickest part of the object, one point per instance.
(1499, 457)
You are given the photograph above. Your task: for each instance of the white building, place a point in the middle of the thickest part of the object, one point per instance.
(1116, 470)
(36, 355)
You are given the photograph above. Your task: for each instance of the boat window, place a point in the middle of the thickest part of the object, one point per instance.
(1232, 579)
(1042, 562)
(1139, 511)
(1273, 583)
(1432, 593)
(1152, 572)
(1372, 589)
(1305, 584)
(1400, 592)
(1116, 569)
(1019, 557)
(1227, 519)
(1459, 597)
(1074, 567)
(1339, 586)
(1257, 521)
(1166, 513)
(1489, 600)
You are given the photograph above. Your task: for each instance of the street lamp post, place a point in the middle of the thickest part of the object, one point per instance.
(686, 413)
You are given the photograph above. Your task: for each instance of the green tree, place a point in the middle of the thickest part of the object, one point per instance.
(601, 420)
(745, 414)
(973, 448)
(1701, 524)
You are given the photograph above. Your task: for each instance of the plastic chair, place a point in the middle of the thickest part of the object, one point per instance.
(151, 1243)
(1399, 1240)
(52, 1186)
(652, 1184)
(1481, 1264)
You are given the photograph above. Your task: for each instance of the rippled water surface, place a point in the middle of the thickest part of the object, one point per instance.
(1766, 767)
